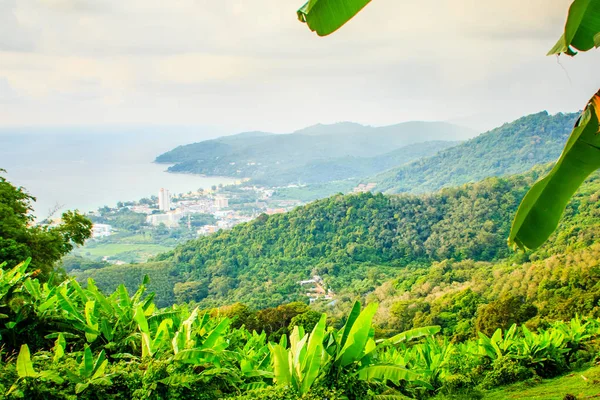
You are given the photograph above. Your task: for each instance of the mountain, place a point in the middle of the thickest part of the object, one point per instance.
(261, 155)
(351, 167)
(510, 149)
(346, 239)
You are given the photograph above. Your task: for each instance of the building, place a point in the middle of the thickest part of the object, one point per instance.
(207, 230)
(170, 219)
(364, 188)
(164, 200)
(101, 230)
(273, 211)
(221, 202)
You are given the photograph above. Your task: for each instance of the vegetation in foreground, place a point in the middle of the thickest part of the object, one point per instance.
(64, 341)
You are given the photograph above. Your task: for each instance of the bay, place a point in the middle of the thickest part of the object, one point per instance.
(87, 168)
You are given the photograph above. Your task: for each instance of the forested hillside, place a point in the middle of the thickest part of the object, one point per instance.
(356, 243)
(510, 149)
(351, 167)
(275, 159)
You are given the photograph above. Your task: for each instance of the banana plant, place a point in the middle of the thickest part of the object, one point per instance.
(303, 363)
(254, 359)
(25, 370)
(91, 372)
(353, 350)
(499, 345)
(204, 344)
(576, 332)
(11, 284)
(151, 344)
(543, 347)
(433, 359)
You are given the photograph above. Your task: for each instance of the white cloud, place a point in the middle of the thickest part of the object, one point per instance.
(251, 65)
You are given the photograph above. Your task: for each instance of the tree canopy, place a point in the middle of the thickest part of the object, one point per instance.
(21, 238)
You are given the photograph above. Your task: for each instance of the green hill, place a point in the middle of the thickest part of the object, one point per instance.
(355, 242)
(351, 167)
(510, 149)
(277, 159)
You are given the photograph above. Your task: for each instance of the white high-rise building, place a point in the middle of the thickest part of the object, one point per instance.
(164, 200)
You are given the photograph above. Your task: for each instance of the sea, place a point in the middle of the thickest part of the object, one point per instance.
(87, 168)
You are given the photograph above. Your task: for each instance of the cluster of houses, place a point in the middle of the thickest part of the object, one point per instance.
(364, 187)
(316, 289)
(173, 213)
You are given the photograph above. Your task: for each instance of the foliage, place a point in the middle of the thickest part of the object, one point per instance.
(327, 16)
(582, 29)
(93, 332)
(503, 313)
(542, 207)
(21, 238)
(356, 243)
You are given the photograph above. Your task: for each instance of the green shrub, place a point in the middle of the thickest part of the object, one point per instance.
(282, 393)
(506, 371)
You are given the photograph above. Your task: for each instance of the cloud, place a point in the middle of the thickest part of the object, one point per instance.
(7, 94)
(13, 36)
(200, 61)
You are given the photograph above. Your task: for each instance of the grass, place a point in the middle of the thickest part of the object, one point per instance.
(141, 251)
(584, 384)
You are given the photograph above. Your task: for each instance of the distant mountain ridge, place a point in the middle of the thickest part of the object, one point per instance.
(509, 149)
(265, 156)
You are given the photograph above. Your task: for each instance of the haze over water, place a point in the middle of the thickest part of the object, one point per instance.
(86, 170)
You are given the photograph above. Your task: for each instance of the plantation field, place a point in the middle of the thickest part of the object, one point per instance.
(583, 384)
(137, 252)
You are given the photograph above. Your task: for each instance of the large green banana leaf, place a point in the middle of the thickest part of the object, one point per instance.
(24, 364)
(544, 204)
(311, 365)
(327, 16)
(354, 348)
(582, 30)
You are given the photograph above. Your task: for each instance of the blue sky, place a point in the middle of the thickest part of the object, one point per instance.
(245, 65)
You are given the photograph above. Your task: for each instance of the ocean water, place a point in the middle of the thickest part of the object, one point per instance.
(83, 168)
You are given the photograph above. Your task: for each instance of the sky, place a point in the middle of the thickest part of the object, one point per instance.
(250, 65)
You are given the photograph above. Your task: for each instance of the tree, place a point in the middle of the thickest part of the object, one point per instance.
(503, 313)
(21, 238)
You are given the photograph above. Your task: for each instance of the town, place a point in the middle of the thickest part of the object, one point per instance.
(134, 231)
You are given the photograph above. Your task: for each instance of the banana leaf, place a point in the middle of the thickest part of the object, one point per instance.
(327, 16)
(544, 204)
(24, 364)
(582, 30)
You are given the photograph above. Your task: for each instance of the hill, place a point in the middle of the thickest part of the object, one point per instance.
(355, 242)
(351, 167)
(275, 157)
(510, 149)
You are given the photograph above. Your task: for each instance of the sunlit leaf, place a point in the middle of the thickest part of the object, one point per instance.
(544, 204)
(327, 16)
(581, 30)
(24, 364)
